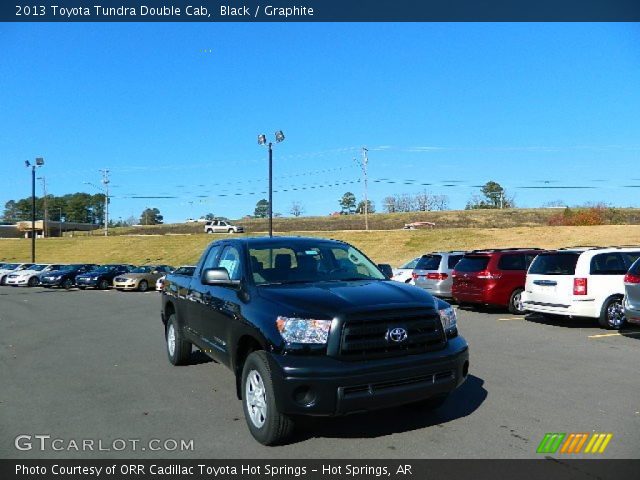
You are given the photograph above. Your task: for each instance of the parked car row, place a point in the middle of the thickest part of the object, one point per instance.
(84, 275)
(602, 283)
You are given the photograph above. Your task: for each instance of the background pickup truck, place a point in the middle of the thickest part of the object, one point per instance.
(312, 327)
(220, 226)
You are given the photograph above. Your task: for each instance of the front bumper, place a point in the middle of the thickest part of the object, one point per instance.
(86, 282)
(50, 282)
(325, 386)
(17, 281)
(125, 286)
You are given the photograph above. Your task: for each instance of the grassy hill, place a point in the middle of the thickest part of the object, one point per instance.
(391, 246)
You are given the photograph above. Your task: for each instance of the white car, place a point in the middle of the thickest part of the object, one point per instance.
(12, 267)
(186, 270)
(220, 226)
(29, 277)
(403, 273)
(580, 282)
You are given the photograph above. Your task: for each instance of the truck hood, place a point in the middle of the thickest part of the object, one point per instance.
(332, 298)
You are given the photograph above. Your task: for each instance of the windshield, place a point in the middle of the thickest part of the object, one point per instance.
(38, 268)
(410, 265)
(306, 262)
(146, 269)
(105, 268)
(554, 264)
(11, 266)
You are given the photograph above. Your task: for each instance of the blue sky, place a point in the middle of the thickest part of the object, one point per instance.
(175, 109)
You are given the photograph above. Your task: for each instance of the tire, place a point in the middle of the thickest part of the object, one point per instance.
(432, 403)
(612, 315)
(267, 425)
(178, 349)
(82, 288)
(515, 302)
(143, 286)
(33, 282)
(230, 230)
(103, 284)
(67, 284)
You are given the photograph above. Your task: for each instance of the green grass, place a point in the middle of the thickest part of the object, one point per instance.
(393, 246)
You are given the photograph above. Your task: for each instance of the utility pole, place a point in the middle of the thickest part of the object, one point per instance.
(46, 216)
(363, 165)
(105, 182)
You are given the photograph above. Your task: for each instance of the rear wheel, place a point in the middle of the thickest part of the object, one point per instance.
(178, 349)
(612, 315)
(143, 286)
(515, 302)
(267, 425)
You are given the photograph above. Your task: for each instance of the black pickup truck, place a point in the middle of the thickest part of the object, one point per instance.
(312, 327)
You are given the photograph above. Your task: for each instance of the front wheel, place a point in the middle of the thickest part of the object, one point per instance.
(67, 284)
(612, 315)
(33, 282)
(103, 284)
(515, 303)
(267, 425)
(143, 286)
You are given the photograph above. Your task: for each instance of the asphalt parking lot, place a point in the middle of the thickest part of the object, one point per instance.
(91, 365)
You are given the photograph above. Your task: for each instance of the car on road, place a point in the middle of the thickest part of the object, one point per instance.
(402, 274)
(30, 276)
(580, 282)
(632, 294)
(12, 268)
(140, 278)
(102, 277)
(433, 272)
(65, 277)
(493, 277)
(186, 270)
(311, 326)
(221, 226)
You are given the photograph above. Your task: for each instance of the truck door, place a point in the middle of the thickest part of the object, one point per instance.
(220, 305)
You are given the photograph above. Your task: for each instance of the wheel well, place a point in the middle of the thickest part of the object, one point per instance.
(246, 345)
(169, 310)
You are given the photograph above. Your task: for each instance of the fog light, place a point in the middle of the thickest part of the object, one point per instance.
(304, 395)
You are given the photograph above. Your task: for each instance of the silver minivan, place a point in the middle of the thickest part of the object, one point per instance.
(632, 294)
(433, 272)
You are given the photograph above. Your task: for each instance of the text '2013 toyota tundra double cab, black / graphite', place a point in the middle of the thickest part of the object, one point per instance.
(312, 327)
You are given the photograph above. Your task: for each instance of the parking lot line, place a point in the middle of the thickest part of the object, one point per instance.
(617, 334)
(510, 319)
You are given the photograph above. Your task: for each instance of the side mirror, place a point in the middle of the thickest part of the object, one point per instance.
(386, 269)
(217, 276)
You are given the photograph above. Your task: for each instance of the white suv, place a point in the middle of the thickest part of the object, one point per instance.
(220, 226)
(580, 282)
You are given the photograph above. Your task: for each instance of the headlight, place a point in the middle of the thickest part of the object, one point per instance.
(303, 330)
(94, 278)
(449, 321)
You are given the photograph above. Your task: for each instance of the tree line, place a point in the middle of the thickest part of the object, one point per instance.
(73, 207)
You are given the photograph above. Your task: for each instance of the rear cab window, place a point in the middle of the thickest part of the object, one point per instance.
(429, 262)
(453, 261)
(555, 263)
(612, 263)
(476, 263)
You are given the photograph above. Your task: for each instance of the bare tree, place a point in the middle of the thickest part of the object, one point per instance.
(296, 209)
(440, 202)
(390, 204)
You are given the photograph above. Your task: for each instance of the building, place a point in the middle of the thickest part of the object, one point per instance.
(53, 229)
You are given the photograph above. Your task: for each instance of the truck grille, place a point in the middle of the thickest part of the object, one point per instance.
(365, 336)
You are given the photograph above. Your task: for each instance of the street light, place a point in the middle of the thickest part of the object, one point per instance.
(262, 140)
(39, 163)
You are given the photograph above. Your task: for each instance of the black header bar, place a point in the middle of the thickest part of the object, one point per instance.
(320, 11)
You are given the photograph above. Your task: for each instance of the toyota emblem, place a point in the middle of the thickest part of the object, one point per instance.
(396, 335)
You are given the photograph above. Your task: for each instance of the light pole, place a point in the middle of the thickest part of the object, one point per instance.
(46, 216)
(363, 164)
(60, 222)
(105, 191)
(39, 163)
(262, 140)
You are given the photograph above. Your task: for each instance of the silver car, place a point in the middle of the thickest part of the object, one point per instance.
(433, 272)
(632, 294)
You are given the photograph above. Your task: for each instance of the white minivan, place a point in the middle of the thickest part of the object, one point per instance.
(580, 282)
